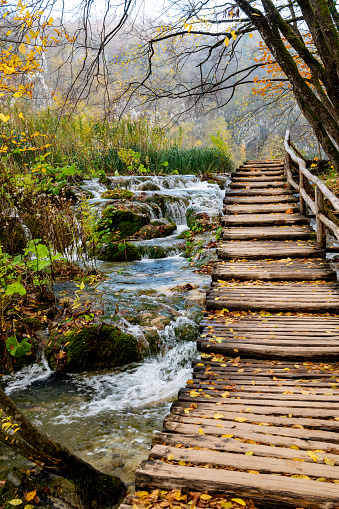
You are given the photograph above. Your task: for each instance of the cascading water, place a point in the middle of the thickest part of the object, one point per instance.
(108, 416)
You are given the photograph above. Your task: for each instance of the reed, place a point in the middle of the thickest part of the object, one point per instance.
(93, 144)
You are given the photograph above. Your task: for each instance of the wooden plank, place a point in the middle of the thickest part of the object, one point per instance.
(263, 184)
(254, 177)
(277, 489)
(246, 462)
(293, 232)
(260, 199)
(260, 208)
(260, 172)
(232, 445)
(268, 249)
(267, 271)
(259, 192)
(263, 219)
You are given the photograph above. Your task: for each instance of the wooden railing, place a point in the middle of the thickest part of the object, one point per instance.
(312, 196)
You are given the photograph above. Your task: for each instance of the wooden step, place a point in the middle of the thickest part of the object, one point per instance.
(263, 184)
(258, 192)
(294, 232)
(311, 339)
(158, 474)
(267, 324)
(259, 208)
(260, 199)
(257, 173)
(258, 178)
(274, 270)
(263, 219)
(258, 250)
(299, 297)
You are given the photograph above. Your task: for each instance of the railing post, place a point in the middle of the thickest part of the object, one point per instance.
(301, 186)
(321, 228)
(287, 162)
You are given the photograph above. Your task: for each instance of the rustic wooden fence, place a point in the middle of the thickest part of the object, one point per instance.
(313, 192)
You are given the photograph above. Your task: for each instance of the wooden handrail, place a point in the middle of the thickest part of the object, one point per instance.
(321, 191)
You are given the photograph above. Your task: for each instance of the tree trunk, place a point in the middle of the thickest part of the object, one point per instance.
(95, 488)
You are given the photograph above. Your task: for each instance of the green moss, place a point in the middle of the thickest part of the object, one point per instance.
(154, 232)
(111, 253)
(118, 194)
(93, 347)
(34, 322)
(121, 221)
(149, 186)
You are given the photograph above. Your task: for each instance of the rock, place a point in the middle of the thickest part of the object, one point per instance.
(92, 347)
(149, 186)
(112, 253)
(125, 223)
(118, 194)
(157, 229)
(34, 322)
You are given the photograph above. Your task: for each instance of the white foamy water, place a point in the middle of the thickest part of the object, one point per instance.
(27, 376)
(153, 382)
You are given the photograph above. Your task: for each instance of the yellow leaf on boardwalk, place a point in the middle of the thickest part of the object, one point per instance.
(239, 501)
(240, 419)
(328, 461)
(218, 416)
(312, 455)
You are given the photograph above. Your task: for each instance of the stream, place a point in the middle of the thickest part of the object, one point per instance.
(108, 416)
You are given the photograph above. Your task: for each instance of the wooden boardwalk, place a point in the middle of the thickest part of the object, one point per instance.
(260, 417)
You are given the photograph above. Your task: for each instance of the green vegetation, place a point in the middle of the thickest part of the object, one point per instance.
(92, 347)
(85, 146)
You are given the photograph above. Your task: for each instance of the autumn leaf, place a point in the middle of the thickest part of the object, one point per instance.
(328, 461)
(312, 455)
(30, 495)
(226, 41)
(4, 118)
(248, 453)
(170, 457)
(22, 49)
(240, 419)
(141, 494)
(239, 501)
(205, 497)
(218, 416)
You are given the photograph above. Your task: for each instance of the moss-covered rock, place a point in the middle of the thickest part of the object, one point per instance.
(33, 322)
(157, 229)
(92, 347)
(198, 218)
(118, 194)
(112, 253)
(149, 186)
(123, 222)
(12, 235)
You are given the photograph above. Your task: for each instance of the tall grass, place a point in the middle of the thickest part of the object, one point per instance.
(93, 144)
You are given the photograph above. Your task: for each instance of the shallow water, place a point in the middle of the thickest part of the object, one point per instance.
(108, 416)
